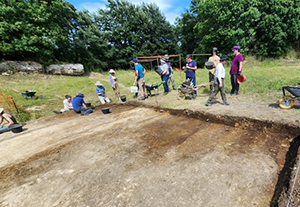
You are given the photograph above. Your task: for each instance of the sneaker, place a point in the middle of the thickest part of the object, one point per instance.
(226, 103)
(165, 93)
(208, 104)
(57, 112)
(141, 99)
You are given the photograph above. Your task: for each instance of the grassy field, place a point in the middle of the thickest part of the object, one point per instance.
(262, 78)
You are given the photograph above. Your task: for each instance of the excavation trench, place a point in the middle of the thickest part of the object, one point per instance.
(144, 156)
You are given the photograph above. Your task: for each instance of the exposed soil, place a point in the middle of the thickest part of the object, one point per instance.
(142, 154)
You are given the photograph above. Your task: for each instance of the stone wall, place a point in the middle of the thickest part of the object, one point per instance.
(11, 67)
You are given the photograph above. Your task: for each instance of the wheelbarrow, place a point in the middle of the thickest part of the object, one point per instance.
(288, 100)
(187, 90)
(152, 87)
(29, 94)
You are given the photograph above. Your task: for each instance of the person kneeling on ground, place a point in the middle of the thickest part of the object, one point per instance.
(67, 104)
(219, 83)
(100, 90)
(9, 118)
(79, 105)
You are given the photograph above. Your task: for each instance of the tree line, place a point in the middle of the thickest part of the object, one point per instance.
(50, 31)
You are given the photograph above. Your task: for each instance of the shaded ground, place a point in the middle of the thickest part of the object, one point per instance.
(139, 156)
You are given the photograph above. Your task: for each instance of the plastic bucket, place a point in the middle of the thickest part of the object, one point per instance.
(241, 79)
(123, 98)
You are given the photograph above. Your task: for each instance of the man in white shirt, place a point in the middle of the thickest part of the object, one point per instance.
(219, 83)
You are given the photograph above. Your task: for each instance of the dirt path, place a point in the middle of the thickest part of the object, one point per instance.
(137, 156)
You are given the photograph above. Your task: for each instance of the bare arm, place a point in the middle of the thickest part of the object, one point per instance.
(241, 66)
(8, 118)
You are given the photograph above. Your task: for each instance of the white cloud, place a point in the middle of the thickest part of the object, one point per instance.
(164, 5)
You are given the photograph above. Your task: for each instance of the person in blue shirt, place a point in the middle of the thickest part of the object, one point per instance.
(140, 78)
(219, 82)
(191, 68)
(101, 92)
(79, 105)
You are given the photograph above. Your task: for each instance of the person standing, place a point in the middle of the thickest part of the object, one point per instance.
(114, 82)
(9, 118)
(140, 78)
(215, 59)
(101, 92)
(191, 68)
(236, 69)
(219, 82)
(171, 73)
(165, 75)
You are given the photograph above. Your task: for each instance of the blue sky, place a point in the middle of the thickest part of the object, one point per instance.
(169, 8)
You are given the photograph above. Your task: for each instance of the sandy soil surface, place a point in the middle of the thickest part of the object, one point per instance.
(144, 156)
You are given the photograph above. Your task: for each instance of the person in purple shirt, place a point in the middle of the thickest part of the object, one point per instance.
(236, 69)
(191, 68)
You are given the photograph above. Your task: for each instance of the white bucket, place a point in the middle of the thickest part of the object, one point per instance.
(134, 89)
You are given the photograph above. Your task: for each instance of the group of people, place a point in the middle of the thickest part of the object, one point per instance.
(78, 104)
(217, 74)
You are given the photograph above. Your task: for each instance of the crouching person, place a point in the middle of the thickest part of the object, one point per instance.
(79, 105)
(100, 90)
(9, 118)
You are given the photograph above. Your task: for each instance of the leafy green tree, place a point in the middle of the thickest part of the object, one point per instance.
(89, 44)
(227, 23)
(135, 31)
(278, 29)
(185, 28)
(34, 29)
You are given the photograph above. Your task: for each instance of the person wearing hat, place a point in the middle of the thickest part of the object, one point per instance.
(165, 75)
(9, 118)
(101, 92)
(219, 82)
(140, 79)
(191, 68)
(114, 82)
(236, 69)
(171, 73)
(215, 59)
(79, 105)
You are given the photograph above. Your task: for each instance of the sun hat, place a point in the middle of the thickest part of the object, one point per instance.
(1, 110)
(112, 71)
(241, 79)
(80, 95)
(162, 60)
(135, 60)
(236, 48)
(167, 57)
(224, 57)
(98, 83)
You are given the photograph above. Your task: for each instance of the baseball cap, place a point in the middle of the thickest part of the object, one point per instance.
(236, 48)
(135, 60)
(167, 57)
(188, 56)
(224, 57)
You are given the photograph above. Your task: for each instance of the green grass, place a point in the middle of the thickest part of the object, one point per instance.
(263, 78)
